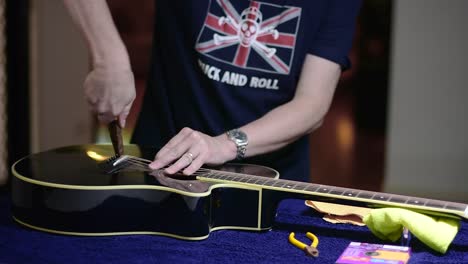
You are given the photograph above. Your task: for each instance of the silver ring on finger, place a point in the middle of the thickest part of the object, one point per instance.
(189, 157)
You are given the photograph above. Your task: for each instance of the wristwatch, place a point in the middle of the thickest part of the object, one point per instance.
(240, 139)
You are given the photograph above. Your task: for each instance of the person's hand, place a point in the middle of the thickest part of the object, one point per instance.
(190, 149)
(110, 93)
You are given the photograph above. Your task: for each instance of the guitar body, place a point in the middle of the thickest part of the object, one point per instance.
(64, 191)
(69, 191)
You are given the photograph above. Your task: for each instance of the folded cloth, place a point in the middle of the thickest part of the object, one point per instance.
(435, 232)
(340, 214)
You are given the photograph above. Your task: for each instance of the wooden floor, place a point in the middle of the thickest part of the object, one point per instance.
(344, 154)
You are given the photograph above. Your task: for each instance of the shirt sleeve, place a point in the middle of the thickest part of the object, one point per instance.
(335, 35)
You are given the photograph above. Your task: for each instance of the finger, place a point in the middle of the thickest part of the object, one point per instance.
(184, 161)
(168, 155)
(92, 106)
(173, 150)
(104, 114)
(123, 116)
(125, 112)
(194, 166)
(105, 118)
(176, 140)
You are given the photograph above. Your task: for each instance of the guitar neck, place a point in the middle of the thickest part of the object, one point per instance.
(343, 195)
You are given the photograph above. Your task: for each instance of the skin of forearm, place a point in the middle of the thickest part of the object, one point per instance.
(94, 20)
(303, 114)
(268, 133)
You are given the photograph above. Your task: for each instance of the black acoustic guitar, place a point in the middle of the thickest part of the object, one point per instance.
(72, 191)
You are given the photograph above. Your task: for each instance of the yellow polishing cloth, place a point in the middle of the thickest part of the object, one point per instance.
(435, 232)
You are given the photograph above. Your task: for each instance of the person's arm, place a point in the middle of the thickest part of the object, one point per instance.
(303, 114)
(110, 86)
(276, 129)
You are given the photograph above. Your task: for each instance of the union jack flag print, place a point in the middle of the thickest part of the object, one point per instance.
(257, 35)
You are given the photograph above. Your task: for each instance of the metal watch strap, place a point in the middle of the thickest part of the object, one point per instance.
(240, 139)
(241, 152)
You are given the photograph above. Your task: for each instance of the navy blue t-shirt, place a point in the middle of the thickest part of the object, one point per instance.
(219, 64)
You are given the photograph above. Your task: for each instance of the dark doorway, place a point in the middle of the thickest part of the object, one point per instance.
(349, 149)
(17, 65)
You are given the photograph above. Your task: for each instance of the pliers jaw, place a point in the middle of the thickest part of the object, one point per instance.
(309, 250)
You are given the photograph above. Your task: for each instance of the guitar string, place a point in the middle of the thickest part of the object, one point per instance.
(141, 163)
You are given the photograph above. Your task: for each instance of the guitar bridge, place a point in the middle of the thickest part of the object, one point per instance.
(114, 164)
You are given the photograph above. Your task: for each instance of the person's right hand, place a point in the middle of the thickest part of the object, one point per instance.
(110, 93)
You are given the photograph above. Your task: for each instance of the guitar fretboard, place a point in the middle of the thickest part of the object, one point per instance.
(376, 198)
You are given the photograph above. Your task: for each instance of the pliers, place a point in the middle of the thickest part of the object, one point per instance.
(309, 250)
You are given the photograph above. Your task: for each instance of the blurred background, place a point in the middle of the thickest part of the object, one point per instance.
(397, 123)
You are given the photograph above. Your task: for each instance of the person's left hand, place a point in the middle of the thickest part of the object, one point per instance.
(190, 149)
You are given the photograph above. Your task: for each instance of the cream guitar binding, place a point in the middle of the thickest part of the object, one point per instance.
(70, 191)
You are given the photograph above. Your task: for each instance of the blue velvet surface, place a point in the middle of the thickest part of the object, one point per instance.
(22, 245)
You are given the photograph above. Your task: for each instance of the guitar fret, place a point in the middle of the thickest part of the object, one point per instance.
(244, 179)
(302, 186)
(252, 180)
(455, 206)
(229, 178)
(278, 184)
(323, 189)
(261, 182)
(416, 201)
(289, 185)
(338, 191)
(381, 197)
(366, 194)
(220, 176)
(207, 175)
(269, 183)
(435, 204)
(312, 188)
(211, 175)
(232, 178)
(351, 193)
(398, 199)
(318, 189)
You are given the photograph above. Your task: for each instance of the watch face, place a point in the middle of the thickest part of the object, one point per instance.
(239, 136)
(241, 141)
